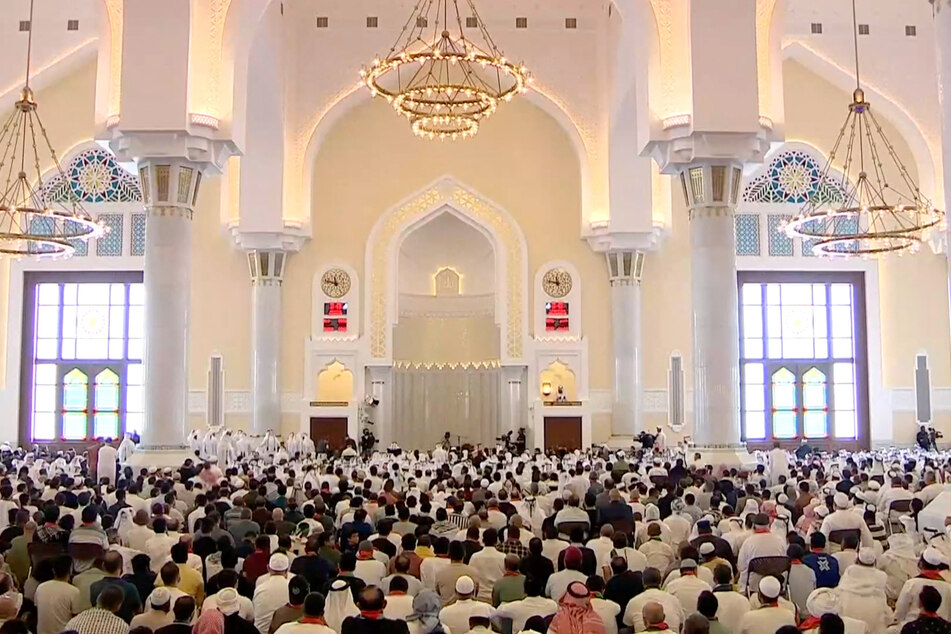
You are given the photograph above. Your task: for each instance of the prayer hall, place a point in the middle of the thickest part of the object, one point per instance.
(716, 223)
(475, 317)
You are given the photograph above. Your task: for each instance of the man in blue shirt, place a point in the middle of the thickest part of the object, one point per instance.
(823, 564)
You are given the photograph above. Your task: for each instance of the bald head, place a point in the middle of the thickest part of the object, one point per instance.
(653, 613)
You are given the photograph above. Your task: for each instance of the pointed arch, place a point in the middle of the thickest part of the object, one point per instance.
(446, 195)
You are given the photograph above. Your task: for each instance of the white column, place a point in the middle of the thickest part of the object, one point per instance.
(513, 399)
(711, 198)
(267, 274)
(943, 42)
(170, 187)
(624, 272)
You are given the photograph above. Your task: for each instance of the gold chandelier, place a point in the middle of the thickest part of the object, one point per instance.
(881, 210)
(444, 82)
(30, 224)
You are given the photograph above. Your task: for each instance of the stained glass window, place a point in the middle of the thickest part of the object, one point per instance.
(93, 176)
(793, 176)
(800, 355)
(87, 344)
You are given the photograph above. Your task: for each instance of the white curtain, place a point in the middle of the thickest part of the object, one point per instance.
(429, 402)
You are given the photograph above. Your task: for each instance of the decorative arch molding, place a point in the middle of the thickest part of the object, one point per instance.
(300, 164)
(926, 154)
(446, 195)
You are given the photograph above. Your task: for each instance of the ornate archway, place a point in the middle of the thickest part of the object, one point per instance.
(511, 264)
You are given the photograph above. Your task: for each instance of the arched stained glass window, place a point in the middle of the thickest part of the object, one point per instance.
(785, 401)
(75, 402)
(106, 414)
(815, 403)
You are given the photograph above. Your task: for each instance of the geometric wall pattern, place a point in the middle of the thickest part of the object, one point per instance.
(93, 176)
(793, 177)
(747, 234)
(779, 243)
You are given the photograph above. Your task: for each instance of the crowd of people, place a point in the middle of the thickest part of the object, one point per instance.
(290, 540)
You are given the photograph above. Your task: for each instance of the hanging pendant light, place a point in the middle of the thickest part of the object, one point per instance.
(30, 224)
(444, 82)
(882, 209)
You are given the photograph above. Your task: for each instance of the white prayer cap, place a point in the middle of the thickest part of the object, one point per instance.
(706, 548)
(278, 562)
(874, 485)
(484, 484)
(933, 556)
(465, 585)
(822, 601)
(782, 498)
(867, 556)
(841, 500)
(228, 601)
(159, 596)
(769, 587)
(821, 511)
(657, 461)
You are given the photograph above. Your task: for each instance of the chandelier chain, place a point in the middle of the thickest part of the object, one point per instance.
(855, 42)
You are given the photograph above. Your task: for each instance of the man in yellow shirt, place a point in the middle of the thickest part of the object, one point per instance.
(189, 579)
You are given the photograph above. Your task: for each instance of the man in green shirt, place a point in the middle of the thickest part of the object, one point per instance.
(511, 587)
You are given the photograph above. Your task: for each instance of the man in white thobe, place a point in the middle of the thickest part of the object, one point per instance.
(126, 449)
(843, 518)
(770, 616)
(209, 444)
(107, 463)
(762, 543)
(862, 593)
(225, 450)
(778, 461)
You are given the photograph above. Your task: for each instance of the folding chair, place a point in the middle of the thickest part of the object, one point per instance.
(901, 507)
(39, 551)
(565, 528)
(776, 566)
(837, 537)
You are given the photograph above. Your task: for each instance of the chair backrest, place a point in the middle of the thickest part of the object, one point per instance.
(900, 506)
(565, 528)
(776, 566)
(625, 526)
(85, 552)
(836, 537)
(39, 551)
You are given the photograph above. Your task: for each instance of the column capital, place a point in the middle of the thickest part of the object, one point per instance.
(711, 188)
(625, 268)
(288, 240)
(267, 266)
(682, 146)
(170, 186)
(203, 152)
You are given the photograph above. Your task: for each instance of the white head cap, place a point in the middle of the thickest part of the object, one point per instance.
(841, 500)
(822, 601)
(465, 585)
(769, 587)
(867, 556)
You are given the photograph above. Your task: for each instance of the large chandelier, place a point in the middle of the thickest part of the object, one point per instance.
(30, 224)
(443, 81)
(881, 209)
